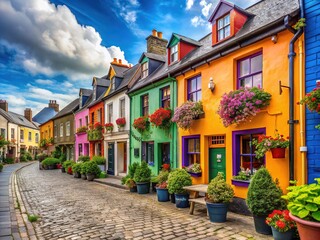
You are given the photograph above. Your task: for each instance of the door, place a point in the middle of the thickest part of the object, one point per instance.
(164, 154)
(111, 158)
(217, 162)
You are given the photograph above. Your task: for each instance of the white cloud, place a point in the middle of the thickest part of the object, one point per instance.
(44, 81)
(189, 4)
(129, 17)
(50, 41)
(134, 2)
(197, 21)
(206, 7)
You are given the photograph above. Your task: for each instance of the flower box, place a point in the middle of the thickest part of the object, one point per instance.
(193, 174)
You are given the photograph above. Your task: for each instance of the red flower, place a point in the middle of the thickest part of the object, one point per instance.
(280, 224)
(141, 124)
(166, 166)
(161, 118)
(97, 125)
(121, 122)
(313, 99)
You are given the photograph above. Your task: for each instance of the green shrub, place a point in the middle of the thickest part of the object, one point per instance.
(142, 173)
(57, 153)
(103, 174)
(92, 168)
(154, 179)
(219, 191)
(32, 218)
(1, 167)
(8, 160)
(178, 179)
(67, 164)
(41, 157)
(264, 194)
(124, 179)
(83, 159)
(23, 158)
(99, 160)
(163, 176)
(28, 156)
(77, 167)
(62, 158)
(84, 168)
(50, 161)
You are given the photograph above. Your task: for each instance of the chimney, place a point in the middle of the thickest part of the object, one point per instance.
(4, 105)
(53, 104)
(28, 114)
(120, 61)
(115, 60)
(156, 44)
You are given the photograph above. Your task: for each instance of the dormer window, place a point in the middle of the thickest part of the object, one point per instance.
(113, 84)
(144, 67)
(174, 53)
(94, 92)
(223, 27)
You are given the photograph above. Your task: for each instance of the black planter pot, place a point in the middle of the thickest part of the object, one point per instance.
(261, 226)
(143, 188)
(182, 200)
(172, 198)
(153, 187)
(84, 176)
(90, 177)
(76, 175)
(63, 170)
(217, 212)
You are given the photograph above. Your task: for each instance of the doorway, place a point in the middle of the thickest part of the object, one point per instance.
(111, 158)
(217, 156)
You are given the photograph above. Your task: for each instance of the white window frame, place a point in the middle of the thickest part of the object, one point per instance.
(68, 128)
(122, 107)
(223, 27)
(61, 129)
(37, 137)
(29, 136)
(21, 135)
(145, 69)
(110, 112)
(174, 53)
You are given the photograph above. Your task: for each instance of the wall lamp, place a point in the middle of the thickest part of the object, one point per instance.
(211, 84)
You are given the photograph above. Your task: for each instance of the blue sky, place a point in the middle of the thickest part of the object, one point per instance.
(51, 48)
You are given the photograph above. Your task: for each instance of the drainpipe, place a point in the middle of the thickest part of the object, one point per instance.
(291, 121)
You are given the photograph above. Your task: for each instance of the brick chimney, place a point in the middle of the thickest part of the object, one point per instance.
(156, 44)
(28, 114)
(54, 104)
(4, 105)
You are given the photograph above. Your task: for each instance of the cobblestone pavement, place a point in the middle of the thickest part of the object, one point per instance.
(72, 208)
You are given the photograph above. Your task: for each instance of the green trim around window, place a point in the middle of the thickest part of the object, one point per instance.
(174, 41)
(145, 59)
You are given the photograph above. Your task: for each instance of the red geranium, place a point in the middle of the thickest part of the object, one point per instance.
(141, 124)
(166, 166)
(69, 170)
(280, 220)
(161, 118)
(121, 122)
(98, 126)
(109, 127)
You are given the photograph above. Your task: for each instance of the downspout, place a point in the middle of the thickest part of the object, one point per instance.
(291, 121)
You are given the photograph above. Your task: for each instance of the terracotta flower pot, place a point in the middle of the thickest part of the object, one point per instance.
(278, 152)
(307, 230)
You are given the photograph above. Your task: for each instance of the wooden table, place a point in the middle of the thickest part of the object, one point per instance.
(194, 191)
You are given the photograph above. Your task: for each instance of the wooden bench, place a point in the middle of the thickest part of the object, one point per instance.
(193, 201)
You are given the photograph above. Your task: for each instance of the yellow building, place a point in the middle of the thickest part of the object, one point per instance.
(46, 136)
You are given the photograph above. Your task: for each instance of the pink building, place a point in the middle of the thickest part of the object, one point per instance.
(81, 123)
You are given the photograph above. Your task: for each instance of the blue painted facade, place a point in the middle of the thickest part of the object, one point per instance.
(312, 43)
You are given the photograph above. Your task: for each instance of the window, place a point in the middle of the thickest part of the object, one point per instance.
(21, 136)
(80, 149)
(92, 118)
(61, 129)
(122, 105)
(144, 69)
(37, 137)
(55, 131)
(113, 84)
(243, 151)
(148, 152)
(87, 120)
(99, 115)
(191, 150)
(67, 128)
(29, 136)
(80, 98)
(194, 89)
(49, 132)
(250, 71)
(145, 105)
(110, 113)
(165, 97)
(3, 132)
(174, 53)
(12, 133)
(223, 27)
(94, 92)
(80, 122)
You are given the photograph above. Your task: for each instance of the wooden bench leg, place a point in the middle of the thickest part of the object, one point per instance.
(191, 208)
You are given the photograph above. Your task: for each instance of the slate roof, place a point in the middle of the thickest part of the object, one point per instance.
(267, 20)
(44, 115)
(103, 81)
(119, 70)
(89, 100)
(185, 39)
(70, 108)
(17, 119)
(85, 92)
(157, 57)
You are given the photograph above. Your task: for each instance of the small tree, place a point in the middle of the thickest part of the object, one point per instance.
(142, 173)
(219, 191)
(178, 179)
(264, 194)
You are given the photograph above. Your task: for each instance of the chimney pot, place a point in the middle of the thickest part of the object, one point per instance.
(115, 60)
(28, 114)
(159, 34)
(120, 61)
(154, 32)
(4, 105)
(53, 104)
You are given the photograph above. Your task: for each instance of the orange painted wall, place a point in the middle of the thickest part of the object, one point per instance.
(223, 71)
(46, 130)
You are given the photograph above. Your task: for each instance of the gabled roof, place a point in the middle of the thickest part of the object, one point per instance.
(44, 115)
(6, 115)
(99, 99)
(103, 81)
(157, 57)
(86, 104)
(184, 39)
(224, 7)
(17, 119)
(69, 109)
(119, 70)
(85, 92)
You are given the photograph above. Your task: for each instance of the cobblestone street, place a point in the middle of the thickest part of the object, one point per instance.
(72, 208)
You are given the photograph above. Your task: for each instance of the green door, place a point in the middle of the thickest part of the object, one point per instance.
(217, 162)
(111, 158)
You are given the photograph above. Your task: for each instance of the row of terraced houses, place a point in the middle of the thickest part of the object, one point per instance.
(253, 47)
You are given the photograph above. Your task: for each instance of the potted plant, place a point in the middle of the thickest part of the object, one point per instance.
(141, 124)
(161, 118)
(142, 178)
(312, 101)
(194, 170)
(282, 225)
(187, 113)
(82, 129)
(162, 186)
(68, 164)
(83, 170)
(83, 158)
(264, 195)
(219, 195)
(100, 161)
(128, 179)
(50, 163)
(178, 179)
(277, 145)
(92, 170)
(76, 169)
(240, 105)
(304, 206)
(109, 127)
(121, 122)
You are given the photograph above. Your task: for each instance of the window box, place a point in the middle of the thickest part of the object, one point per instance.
(240, 183)
(192, 174)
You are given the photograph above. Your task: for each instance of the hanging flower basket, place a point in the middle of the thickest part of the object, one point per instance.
(161, 118)
(187, 113)
(312, 101)
(278, 152)
(108, 127)
(141, 124)
(241, 105)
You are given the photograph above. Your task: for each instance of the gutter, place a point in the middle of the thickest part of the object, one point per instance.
(291, 56)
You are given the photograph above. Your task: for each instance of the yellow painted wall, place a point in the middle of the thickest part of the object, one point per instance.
(26, 141)
(46, 130)
(224, 73)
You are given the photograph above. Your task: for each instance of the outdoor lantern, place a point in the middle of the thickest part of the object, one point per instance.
(211, 84)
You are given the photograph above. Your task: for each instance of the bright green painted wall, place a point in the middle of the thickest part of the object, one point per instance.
(156, 135)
